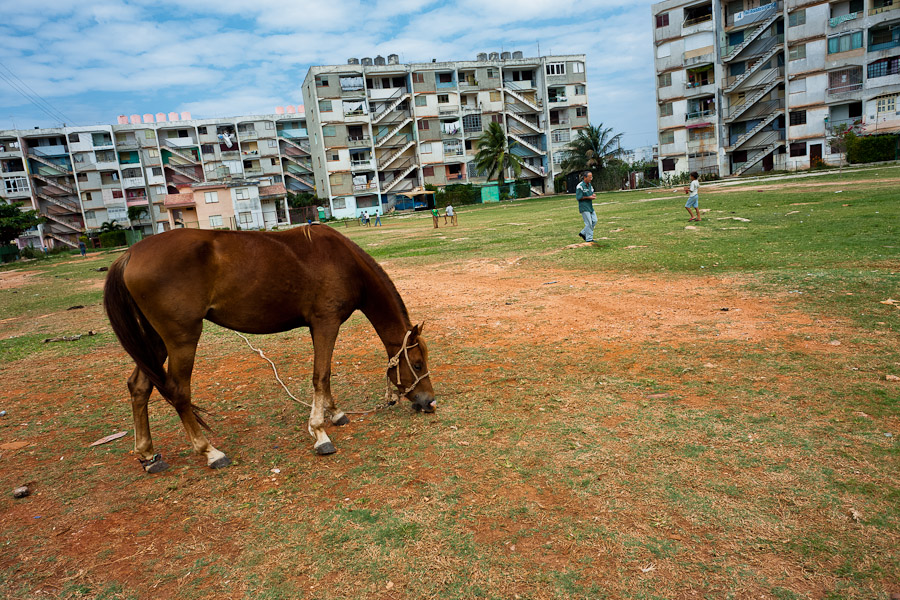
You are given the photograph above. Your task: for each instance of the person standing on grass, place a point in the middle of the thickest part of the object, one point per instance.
(434, 216)
(448, 212)
(693, 200)
(378, 219)
(585, 195)
(82, 247)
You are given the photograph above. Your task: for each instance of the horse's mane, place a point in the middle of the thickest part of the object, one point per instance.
(379, 273)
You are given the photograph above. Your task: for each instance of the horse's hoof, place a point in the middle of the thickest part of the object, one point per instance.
(342, 421)
(220, 463)
(154, 465)
(326, 448)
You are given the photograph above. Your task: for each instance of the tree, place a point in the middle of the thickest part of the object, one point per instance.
(842, 135)
(136, 213)
(14, 221)
(592, 150)
(494, 155)
(109, 226)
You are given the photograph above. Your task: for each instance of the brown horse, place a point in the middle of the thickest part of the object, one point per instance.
(159, 292)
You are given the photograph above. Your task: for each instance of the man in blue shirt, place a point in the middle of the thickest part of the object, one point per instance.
(585, 195)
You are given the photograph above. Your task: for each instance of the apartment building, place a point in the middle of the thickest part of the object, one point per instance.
(746, 87)
(379, 127)
(81, 177)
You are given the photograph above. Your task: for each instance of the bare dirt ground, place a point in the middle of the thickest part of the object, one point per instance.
(479, 304)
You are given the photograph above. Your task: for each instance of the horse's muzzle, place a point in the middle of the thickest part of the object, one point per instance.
(424, 403)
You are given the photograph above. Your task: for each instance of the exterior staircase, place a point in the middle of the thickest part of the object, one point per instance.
(55, 219)
(67, 204)
(296, 144)
(751, 38)
(393, 132)
(525, 144)
(525, 122)
(737, 111)
(63, 186)
(59, 238)
(522, 99)
(532, 168)
(296, 161)
(759, 127)
(301, 179)
(758, 156)
(383, 164)
(536, 192)
(185, 172)
(180, 153)
(389, 106)
(393, 182)
(753, 68)
(47, 162)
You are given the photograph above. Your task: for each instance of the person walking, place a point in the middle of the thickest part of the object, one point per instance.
(449, 212)
(378, 219)
(693, 200)
(434, 216)
(82, 247)
(584, 193)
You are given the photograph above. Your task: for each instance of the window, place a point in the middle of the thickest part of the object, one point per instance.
(275, 161)
(16, 184)
(662, 20)
(668, 164)
(578, 67)
(798, 85)
(211, 197)
(202, 130)
(270, 125)
(579, 90)
(428, 171)
(321, 81)
(242, 193)
(246, 219)
(443, 98)
(494, 97)
(333, 156)
(156, 171)
(560, 135)
(273, 143)
(843, 43)
(581, 111)
(423, 125)
(492, 73)
(886, 104)
(425, 148)
(215, 220)
(339, 204)
(797, 52)
(666, 110)
(418, 77)
(471, 123)
(328, 131)
(117, 194)
(665, 80)
(421, 101)
(796, 18)
(148, 134)
(153, 153)
(324, 105)
(798, 149)
(337, 179)
(666, 137)
(885, 66)
(798, 117)
(90, 215)
(445, 78)
(556, 68)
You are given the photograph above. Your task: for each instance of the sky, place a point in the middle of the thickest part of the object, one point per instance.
(85, 63)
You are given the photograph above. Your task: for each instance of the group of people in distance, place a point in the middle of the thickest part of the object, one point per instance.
(367, 220)
(449, 214)
(585, 195)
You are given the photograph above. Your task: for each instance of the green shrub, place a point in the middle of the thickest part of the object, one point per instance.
(523, 189)
(111, 239)
(871, 148)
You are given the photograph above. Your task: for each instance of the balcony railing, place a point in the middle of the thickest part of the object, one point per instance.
(362, 165)
(835, 21)
(882, 9)
(246, 135)
(699, 114)
(846, 88)
(708, 57)
(370, 185)
(359, 141)
(697, 20)
(843, 124)
(884, 45)
(558, 99)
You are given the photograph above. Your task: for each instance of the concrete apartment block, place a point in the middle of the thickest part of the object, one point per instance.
(745, 87)
(379, 127)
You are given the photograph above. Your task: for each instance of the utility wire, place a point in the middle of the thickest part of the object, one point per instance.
(39, 101)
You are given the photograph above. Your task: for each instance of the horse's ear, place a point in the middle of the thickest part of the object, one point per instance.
(416, 330)
(421, 326)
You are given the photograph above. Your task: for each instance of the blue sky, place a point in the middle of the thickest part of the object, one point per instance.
(91, 61)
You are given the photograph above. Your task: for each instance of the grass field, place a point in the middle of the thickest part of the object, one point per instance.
(707, 412)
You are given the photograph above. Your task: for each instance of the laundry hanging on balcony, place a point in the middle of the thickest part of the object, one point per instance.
(227, 139)
(360, 180)
(349, 84)
(355, 107)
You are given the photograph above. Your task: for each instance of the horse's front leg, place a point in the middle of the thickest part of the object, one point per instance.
(323, 337)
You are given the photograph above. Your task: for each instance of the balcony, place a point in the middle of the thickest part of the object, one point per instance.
(178, 200)
(253, 171)
(249, 153)
(525, 84)
(136, 201)
(699, 115)
(369, 185)
(745, 18)
(249, 134)
(293, 133)
(843, 89)
(49, 150)
(386, 93)
(362, 165)
(884, 45)
(131, 182)
(444, 84)
(557, 99)
(883, 9)
(708, 57)
(362, 141)
(448, 110)
(836, 21)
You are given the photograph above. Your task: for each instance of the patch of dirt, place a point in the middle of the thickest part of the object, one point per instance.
(14, 279)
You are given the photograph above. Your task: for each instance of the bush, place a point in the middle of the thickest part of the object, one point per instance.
(457, 194)
(111, 239)
(523, 189)
(871, 148)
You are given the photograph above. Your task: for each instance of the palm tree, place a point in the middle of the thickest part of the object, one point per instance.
(592, 150)
(109, 226)
(136, 213)
(494, 155)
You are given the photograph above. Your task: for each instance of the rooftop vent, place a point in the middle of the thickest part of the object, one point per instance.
(517, 54)
(494, 56)
(379, 61)
(506, 55)
(352, 61)
(367, 61)
(393, 59)
(482, 56)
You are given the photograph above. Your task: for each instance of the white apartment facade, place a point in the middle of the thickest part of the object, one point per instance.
(379, 127)
(750, 86)
(81, 177)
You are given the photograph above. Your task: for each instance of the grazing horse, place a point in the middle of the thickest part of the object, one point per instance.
(159, 292)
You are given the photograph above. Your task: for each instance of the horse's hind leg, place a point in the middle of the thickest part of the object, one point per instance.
(324, 337)
(140, 387)
(181, 363)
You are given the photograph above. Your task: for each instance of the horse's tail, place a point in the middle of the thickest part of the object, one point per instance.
(138, 337)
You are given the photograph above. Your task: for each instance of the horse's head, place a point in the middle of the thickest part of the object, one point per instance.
(410, 373)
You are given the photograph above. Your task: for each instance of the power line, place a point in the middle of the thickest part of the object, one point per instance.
(44, 105)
